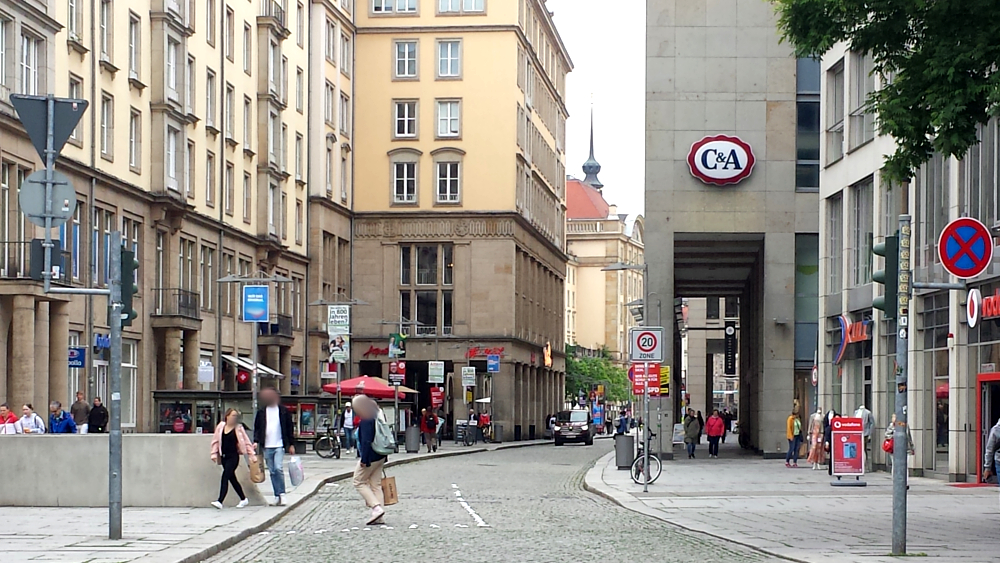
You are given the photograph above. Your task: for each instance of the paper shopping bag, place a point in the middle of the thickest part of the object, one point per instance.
(256, 470)
(389, 491)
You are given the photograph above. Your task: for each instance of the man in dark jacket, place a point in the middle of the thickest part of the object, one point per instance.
(97, 420)
(272, 430)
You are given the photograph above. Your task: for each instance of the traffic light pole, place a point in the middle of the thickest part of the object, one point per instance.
(115, 384)
(50, 162)
(900, 445)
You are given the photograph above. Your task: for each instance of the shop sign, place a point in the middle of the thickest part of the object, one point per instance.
(721, 160)
(493, 363)
(437, 396)
(206, 372)
(435, 372)
(847, 449)
(77, 357)
(373, 351)
(851, 332)
(468, 376)
(479, 352)
(256, 303)
(102, 342)
(979, 308)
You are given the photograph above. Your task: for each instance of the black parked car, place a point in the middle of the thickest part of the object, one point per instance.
(574, 426)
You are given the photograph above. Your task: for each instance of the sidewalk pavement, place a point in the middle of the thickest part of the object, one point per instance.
(178, 535)
(796, 514)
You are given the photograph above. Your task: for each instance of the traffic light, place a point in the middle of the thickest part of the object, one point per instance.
(889, 277)
(129, 287)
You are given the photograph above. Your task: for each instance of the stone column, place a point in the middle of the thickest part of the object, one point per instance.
(22, 377)
(533, 415)
(192, 357)
(272, 359)
(172, 358)
(503, 397)
(285, 367)
(41, 373)
(58, 350)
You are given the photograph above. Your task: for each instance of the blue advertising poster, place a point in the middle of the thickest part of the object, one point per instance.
(493, 363)
(256, 302)
(77, 357)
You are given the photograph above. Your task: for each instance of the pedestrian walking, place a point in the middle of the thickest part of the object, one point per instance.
(609, 425)
(60, 421)
(229, 443)
(80, 411)
(272, 429)
(692, 430)
(622, 423)
(991, 459)
(701, 425)
(429, 425)
(31, 423)
(793, 431)
(368, 472)
(9, 423)
(349, 429)
(727, 419)
(715, 427)
(97, 420)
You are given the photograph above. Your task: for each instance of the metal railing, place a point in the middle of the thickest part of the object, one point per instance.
(281, 325)
(273, 9)
(16, 261)
(176, 302)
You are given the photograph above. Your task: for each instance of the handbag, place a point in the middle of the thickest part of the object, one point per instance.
(887, 445)
(256, 470)
(389, 493)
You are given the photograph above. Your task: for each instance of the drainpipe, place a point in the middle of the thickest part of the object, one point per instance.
(221, 201)
(88, 276)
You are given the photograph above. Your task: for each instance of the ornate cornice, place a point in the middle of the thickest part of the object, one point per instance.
(419, 228)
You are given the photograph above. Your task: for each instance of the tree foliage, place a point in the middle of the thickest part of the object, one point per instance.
(583, 373)
(943, 58)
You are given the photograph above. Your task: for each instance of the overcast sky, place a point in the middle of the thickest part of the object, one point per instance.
(611, 68)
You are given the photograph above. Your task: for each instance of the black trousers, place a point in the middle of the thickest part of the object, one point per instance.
(229, 465)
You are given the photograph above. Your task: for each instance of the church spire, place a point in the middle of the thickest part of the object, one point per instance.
(592, 168)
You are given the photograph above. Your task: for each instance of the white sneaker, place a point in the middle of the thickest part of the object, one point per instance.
(217, 504)
(281, 500)
(277, 501)
(377, 512)
(243, 503)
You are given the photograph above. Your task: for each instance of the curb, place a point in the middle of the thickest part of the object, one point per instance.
(222, 545)
(593, 482)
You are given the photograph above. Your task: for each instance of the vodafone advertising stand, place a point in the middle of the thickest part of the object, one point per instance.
(847, 450)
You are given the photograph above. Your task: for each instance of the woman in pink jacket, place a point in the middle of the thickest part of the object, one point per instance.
(229, 443)
(715, 427)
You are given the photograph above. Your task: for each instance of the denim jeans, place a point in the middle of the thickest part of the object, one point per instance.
(274, 458)
(690, 448)
(713, 445)
(793, 450)
(348, 438)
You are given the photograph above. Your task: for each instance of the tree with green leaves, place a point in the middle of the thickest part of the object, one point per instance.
(943, 58)
(583, 373)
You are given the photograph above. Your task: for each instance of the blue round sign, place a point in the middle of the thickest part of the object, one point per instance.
(965, 247)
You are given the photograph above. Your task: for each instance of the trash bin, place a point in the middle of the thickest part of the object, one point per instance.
(531, 431)
(624, 450)
(517, 432)
(498, 433)
(413, 439)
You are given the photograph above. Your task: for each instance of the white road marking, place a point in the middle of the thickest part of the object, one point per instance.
(290, 532)
(461, 501)
(413, 526)
(435, 526)
(458, 493)
(346, 530)
(454, 486)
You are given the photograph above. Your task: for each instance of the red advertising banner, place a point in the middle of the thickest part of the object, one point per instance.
(847, 447)
(437, 396)
(640, 381)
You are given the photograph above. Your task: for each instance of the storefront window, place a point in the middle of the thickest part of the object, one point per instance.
(934, 321)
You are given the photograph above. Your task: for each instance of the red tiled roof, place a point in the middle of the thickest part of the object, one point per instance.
(584, 202)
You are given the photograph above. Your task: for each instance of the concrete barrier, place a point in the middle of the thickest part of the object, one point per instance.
(157, 470)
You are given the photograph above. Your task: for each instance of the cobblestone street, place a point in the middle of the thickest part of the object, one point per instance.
(524, 504)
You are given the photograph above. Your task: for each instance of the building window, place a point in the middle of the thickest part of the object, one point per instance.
(273, 137)
(862, 120)
(129, 382)
(328, 104)
(230, 38)
(30, 59)
(230, 190)
(345, 113)
(977, 177)
(171, 67)
(226, 289)
(247, 123)
(448, 118)
(388, 6)
(190, 84)
(427, 305)
(404, 179)
(173, 160)
(835, 250)
(712, 308)
(273, 214)
(461, 6)
(134, 45)
(134, 139)
(74, 20)
(406, 59)
(247, 198)
(230, 110)
(299, 141)
(106, 30)
(835, 113)
(807, 132)
(343, 179)
(329, 172)
(862, 196)
(210, 99)
(932, 206)
(299, 89)
(299, 221)
(448, 182)
(207, 278)
(331, 42)
(210, 22)
(75, 92)
(210, 179)
(189, 177)
(107, 126)
(449, 59)
(406, 119)
(345, 54)
(300, 24)
(247, 47)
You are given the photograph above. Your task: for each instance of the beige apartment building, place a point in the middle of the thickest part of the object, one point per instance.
(195, 147)
(460, 207)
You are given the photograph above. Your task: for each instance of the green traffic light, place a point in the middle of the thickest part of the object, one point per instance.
(129, 286)
(889, 277)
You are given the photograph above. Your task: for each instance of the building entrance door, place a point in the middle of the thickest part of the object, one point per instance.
(988, 411)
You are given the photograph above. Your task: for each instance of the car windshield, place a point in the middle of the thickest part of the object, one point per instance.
(573, 416)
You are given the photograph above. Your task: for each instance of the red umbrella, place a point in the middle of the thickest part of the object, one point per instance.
(373, 387)
(942, 390)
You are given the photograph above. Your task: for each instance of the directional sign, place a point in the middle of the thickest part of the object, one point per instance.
(33, 113)
(31, 198)
(965, 247)
(647, 344)
(493, 363)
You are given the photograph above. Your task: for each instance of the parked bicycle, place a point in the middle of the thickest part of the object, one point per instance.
(327, 445)
(638, 466)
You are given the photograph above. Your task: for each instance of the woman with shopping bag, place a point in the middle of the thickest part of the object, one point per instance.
(368, 472)
(229, 443)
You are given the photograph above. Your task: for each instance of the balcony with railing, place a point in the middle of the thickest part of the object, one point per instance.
(273, 13)
(176, 308)
(277, 332)
(20, 261)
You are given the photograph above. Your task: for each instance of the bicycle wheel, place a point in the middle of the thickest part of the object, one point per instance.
(470, 435)
(325, 448)
(637, 473)
(655, 468)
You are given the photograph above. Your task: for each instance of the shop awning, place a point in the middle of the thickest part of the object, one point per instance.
(247, 364)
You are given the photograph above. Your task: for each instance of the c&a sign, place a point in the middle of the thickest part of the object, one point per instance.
(721, 160)
(979, 308)
(851, 332)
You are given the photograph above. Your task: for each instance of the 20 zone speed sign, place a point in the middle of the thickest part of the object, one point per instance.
(647, 344)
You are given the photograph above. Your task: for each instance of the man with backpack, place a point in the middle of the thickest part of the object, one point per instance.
(429, 426)
(374, 443)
